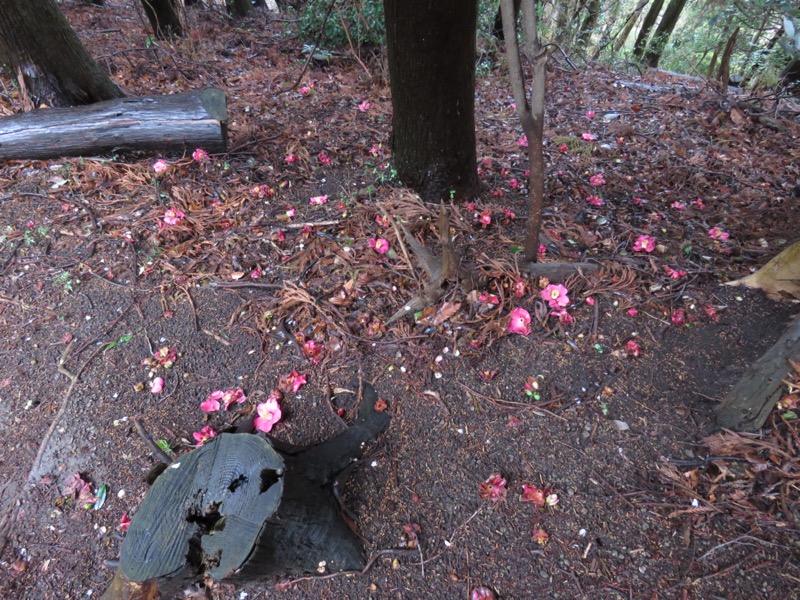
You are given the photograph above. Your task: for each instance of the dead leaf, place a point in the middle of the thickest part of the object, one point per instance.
(441, 314)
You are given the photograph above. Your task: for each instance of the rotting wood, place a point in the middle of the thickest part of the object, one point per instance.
(177, 123)
(749, 403)
(242, 507)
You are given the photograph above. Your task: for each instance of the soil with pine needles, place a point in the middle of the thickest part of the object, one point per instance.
(94, 282)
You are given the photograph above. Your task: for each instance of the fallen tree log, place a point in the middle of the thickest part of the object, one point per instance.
(240, 508)
(749, 403)
(177, 123)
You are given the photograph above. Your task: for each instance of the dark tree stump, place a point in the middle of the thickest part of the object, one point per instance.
(178, 123)
(749, 403)
(239, 509)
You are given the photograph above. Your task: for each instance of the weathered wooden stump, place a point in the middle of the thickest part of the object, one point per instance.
(237, 509)
(749, 403)
(177, 123)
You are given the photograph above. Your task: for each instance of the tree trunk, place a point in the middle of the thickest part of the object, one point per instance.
(239, 8)
(663, 31)
(54, 66)
(647, 25)
(588, 24)
(164, 17)
(431, 52)
(497, 28)
(622, 37)
(724, 74)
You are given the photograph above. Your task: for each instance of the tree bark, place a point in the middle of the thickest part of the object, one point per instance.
(431, 52)
(588, 24)
(54, 66)
(164, 17)
(647, 25)
(663, 31)
(497, 28)
(622, 37)
(177, 123)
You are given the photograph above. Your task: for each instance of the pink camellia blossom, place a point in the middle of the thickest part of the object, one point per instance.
(173, 216)
(513, 183)
(542, 250)
(200, 155)
(205, 434)
(520, 287)
(493, 489)
(563, 316)
(715, 233)
(364, 106)
(489, 298)
(124, 522)
(522, 142)
(485, 218)
(160, 165)
(211, 403)
(597, 180)
(533, 494)
(633, 312)
(595, 200)
(589, 137)
(632, 348)
(590, 300)
(269, 413)
(556, 295)
(509, 214)
(675, 274)
(644, 243)
(380, 245)
(677, 205)
(313, 351)
(519, 321)
(166, 356)
(290, 213)
(698, 204)
(256, 273)
(262, 191)
(563, 148)
(590, 114)
(232, 396)
(482, 593)
(375, 150)
(382, 221)
(293, 381)
(157, 385)
(324, 158)
(679, 317)
(318, 200)
(291, 158)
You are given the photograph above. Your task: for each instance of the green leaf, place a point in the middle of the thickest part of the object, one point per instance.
(164, 445)
(789, 415)
(100, 494)
(123, 339)
(515, 250)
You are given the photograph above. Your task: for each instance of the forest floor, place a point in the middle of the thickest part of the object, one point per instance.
(617, 424)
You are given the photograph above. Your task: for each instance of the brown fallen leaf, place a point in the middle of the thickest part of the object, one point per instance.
(779, 277)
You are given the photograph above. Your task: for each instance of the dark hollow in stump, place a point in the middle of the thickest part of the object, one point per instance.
(749, 403)
(178, 123)
(239, 510)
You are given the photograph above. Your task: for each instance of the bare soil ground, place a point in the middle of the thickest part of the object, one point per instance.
(93, 283)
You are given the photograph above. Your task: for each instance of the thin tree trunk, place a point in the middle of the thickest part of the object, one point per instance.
(663, 31)
(431, 53)
(725, 64)
(589, 22)
(48, 56)
(497, 28)
(622, 37)
(647, 25)
(164, 17)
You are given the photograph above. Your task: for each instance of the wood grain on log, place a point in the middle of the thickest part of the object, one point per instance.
(178, 123)
(749, 403)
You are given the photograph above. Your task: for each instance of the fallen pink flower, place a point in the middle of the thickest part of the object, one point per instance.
(380, 245)
(520, 287)
(382, 221)
(509, 214)
(489, 298)
(540, 536)
(551, 500)
(493, 489)
(633, 312)
(232, 396)
(715, 233)
(556, 295)
(698, 204)
(678, 205)
(590, 114)
(632, 348)
(679, 317)
(205, 434)
(318, 200)
(590, 300)
(313, 351)
(160, 165)
(597, 180)
(595, 200)
(211, 403)
(166, 356)
(542, 250)
(675, 274)
(124, 522)
(157, 385)
(644, 243)
(293, 381)
(262, 191)
(364, 106)
(200, 155)
(563, 316)
(269, 413)
(173, 216)
(323, 158)
(563, 148)
(482, 593)
(533, 494)
(519, 322)
(291, 158)
(522, 142)
(485, 218)
(256, 273)
(589, 137)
